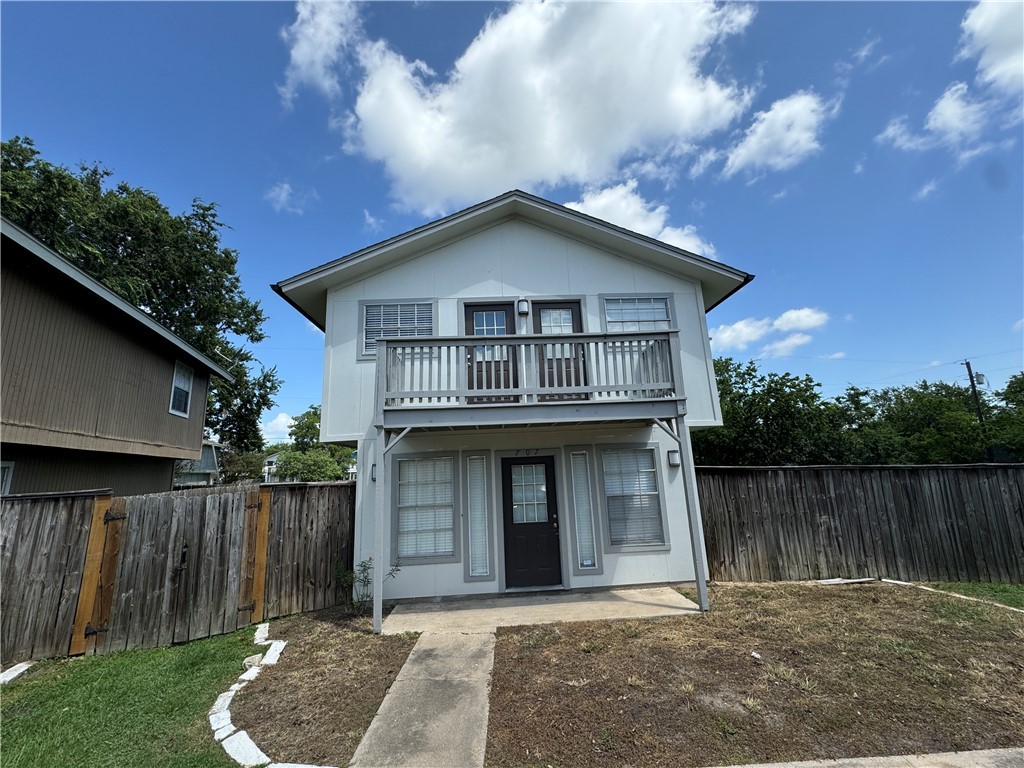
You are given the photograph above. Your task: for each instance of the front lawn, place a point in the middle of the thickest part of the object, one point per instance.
(137, 708)
(840, 671)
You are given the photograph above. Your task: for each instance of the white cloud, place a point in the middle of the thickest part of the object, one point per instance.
(781, 137)
(835, 356)
(956, 119)
(317, 41)
(282, 197)
(277, 428)
(741, 334)
(993, 32)
(927, 190)
(546, 94)
(1018, 326)
(371, 222)
(623, 206)
(858, 167)
(804, 319)
(786, 346)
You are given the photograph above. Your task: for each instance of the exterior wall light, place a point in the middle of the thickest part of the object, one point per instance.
(373, 472)
(523, 306)
(673, 459)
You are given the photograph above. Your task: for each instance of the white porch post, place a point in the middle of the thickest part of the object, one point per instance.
(700, 572)
(694, 514)
(379, 521)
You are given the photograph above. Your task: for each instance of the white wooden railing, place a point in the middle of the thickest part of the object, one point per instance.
(528, 370)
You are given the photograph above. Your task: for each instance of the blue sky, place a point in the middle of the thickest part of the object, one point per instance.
(864, 160)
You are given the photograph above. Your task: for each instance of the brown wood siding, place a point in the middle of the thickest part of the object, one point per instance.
(78, 374)
(40, 469)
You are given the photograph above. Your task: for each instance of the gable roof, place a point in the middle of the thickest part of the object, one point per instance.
(307, 291)
(69, 271)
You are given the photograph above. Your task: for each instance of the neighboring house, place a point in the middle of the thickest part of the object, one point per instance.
(270, 468)
(202, 471)
(94, 393)
(494, 458)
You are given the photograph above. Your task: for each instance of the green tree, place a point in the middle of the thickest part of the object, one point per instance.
(173, 267)
(307, 459)
(1006, 426)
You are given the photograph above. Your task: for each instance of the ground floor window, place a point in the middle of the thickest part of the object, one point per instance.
(476, 503)
(426, 508)
(633, 499)
(586, 544)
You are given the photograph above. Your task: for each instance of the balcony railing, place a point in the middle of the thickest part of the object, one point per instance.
(474, 374)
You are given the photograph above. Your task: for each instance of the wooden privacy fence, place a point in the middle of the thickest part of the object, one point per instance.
(945, 523)
(88, 573)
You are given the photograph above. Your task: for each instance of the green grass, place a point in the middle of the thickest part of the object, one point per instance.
(137, 708)
(1007, 594)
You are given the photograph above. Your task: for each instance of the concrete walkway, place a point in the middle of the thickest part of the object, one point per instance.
(435, 714)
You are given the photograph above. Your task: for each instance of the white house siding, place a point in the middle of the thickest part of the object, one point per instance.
(671, 564)
(508, 261)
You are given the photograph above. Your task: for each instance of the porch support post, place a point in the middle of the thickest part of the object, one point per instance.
(682, 436)
(379, 519)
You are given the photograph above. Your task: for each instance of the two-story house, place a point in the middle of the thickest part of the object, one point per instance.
(520, 380)
(93, 392)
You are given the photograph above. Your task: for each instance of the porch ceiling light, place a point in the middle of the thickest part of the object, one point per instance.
(523, 307)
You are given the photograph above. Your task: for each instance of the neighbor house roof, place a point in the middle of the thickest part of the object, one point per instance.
(55, 261)
(307, 292)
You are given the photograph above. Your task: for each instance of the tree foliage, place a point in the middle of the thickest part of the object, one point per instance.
(307, 459)
(173, 267)
(781, 419)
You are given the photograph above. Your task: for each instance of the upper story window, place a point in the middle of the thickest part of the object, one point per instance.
(181, 390)
(387, 320)
(637, 313)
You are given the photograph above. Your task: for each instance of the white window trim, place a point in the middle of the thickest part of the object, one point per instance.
(191, 386)
(456, 509)
(362, 353)
(659, 473)
(672, 324)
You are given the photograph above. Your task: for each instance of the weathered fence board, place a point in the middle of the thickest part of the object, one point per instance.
(948, 523)
(90, 574)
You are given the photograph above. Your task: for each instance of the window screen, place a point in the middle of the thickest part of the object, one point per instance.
(631, 489)
(181, 389)
(395, 320)
(637, 313)
(426, 508)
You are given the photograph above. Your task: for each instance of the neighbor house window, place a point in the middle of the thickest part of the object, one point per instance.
(395, 320)
(6, 473)
(181, 390)
(631, 490)
(426, 508)
(637, 313)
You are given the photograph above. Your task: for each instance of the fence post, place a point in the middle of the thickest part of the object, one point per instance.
(259, 577)
(90, 575)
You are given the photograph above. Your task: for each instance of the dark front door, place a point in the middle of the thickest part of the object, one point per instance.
(531, 522)
(560, 365)
(491, 366)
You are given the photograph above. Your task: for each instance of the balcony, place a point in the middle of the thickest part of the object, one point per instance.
(524, 380)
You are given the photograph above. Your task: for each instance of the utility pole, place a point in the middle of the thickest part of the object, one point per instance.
(981, 417)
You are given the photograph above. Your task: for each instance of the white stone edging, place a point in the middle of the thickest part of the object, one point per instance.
(952, 594)
(239, 746)
(12, 672)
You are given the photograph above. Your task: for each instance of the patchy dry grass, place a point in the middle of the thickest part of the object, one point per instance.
(316, 703)
(848, 671)
(1007, 594)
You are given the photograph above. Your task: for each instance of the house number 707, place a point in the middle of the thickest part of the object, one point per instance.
(527, 451)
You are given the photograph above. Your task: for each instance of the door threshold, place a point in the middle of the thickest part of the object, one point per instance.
(542, 588)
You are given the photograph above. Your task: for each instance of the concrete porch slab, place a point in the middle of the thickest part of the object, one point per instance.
(485, 615)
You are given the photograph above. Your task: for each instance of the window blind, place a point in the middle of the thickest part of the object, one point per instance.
(583, 511)
(476, 484)
(426, 508)
(631, 490)
(396, 320)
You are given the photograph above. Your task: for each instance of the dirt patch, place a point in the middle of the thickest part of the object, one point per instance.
(316, 703)
(846, 671)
